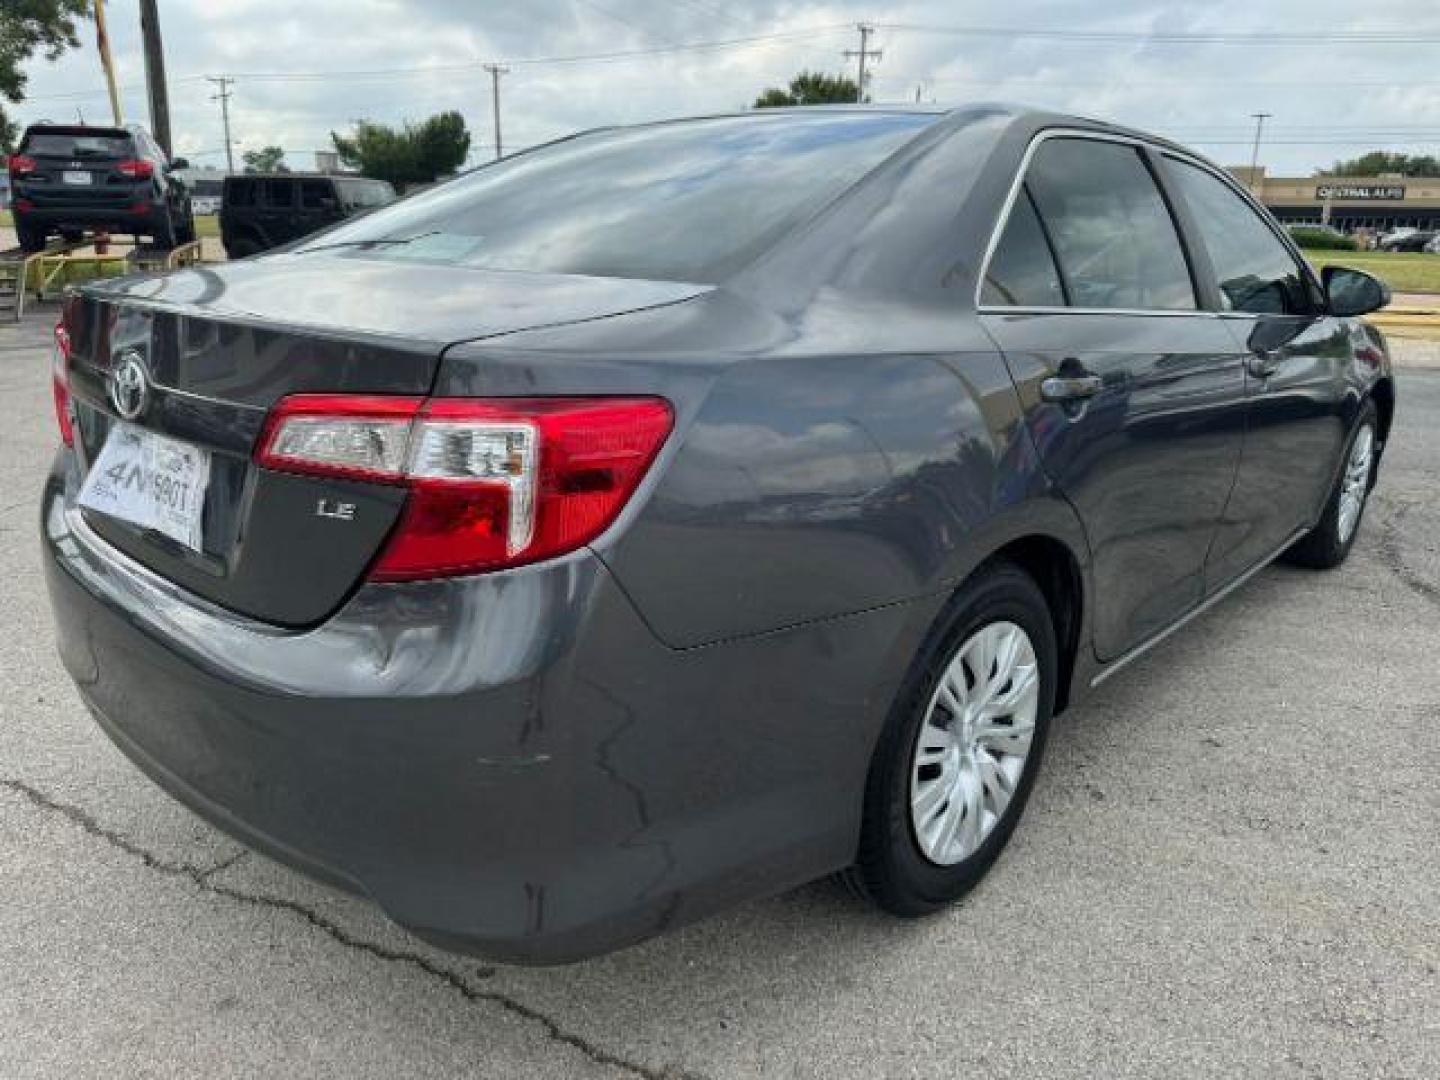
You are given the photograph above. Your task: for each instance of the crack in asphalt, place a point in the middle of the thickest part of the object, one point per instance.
(1394, 559)
(201, 877)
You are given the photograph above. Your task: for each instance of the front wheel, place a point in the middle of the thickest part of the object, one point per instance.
(959, 754)
(1328, 544)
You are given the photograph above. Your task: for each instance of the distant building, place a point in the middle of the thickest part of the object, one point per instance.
(205, 183)
(327, 161)
(1348, 202)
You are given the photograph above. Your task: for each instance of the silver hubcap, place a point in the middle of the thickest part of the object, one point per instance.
(1355, 484)
(972, 746)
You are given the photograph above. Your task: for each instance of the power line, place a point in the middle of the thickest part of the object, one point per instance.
(1199, 37)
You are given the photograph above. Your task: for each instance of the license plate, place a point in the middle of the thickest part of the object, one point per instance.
(71, 177)
(150, 480)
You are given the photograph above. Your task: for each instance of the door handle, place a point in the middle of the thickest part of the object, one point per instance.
(1265, 362)
(1070, 387)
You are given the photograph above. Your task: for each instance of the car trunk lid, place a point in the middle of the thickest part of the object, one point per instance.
(219, 346)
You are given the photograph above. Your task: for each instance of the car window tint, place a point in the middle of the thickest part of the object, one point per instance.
(277, 194)
(1113, 234)
(240, 192)
(1255, 271)
(57, 144)
(684, 201)
(316, 194)
(1022, 271)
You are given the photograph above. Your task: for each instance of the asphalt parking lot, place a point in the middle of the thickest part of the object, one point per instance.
(1231, 867)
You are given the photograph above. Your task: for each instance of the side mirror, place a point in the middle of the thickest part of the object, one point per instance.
(1353, 292)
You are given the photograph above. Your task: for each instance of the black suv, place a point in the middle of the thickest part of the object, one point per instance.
(69, 179)
(258, 212)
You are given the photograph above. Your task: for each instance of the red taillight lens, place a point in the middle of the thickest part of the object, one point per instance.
(136, 170)
(60, 383)
(20, 165)
(493, 483)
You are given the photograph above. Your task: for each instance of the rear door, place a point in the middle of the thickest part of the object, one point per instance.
(1298, 359)
(1132, 392)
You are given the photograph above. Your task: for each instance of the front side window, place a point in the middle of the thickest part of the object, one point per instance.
(1022, 272)
(1111, 229)
(1255, 271)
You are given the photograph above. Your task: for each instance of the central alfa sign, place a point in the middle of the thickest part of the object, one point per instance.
(1360, 191)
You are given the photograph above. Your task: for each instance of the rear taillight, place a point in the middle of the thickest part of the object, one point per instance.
(492, 483)
(20, 165)
(60, 383)
(136, 170)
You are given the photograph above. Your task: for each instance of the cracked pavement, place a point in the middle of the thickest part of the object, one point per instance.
(1229, 867)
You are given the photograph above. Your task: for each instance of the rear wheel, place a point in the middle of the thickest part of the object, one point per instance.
(1329, 543)
(959, 754)
(29, 237)
(164, 234)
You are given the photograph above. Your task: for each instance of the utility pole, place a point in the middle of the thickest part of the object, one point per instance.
(155, 76)
(223, 96)
(863, 53)
(496, 70)
(102, 40)
(1260, 118)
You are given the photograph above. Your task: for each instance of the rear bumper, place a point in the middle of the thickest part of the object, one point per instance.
(509, 765)
(112, 218)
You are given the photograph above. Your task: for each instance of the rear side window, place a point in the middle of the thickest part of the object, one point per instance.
(277, 194)
(1112, 231)
(57, 144)
(240, 192)
(1022, 271)
(1255, 271)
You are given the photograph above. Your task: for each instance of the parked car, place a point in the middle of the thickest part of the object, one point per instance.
(259, 212)
(1407, 240)
(673, 514)
(72, 179)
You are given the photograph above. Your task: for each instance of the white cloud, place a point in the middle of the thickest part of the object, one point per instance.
(1328, 100)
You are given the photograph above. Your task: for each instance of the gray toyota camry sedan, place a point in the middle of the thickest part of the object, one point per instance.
(670, 515)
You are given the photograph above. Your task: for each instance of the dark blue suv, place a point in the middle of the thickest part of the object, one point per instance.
(71, 180)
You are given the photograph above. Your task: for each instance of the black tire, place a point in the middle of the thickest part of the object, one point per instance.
(185, 234)
(242, 247)
(1324, 547)
(164, 232)
(72, 236)
(29, 237)
(891, 868)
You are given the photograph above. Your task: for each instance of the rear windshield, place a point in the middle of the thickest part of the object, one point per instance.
(57, 144)
(688, 201)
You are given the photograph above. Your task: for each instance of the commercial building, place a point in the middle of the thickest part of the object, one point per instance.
(1375, 203)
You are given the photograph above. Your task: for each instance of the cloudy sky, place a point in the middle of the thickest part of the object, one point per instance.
(1339, 77)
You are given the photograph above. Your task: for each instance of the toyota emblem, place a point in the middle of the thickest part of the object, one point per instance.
(129, 385)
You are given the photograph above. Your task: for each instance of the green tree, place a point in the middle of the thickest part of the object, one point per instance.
(1381, 161)
(412, 154)
(27, 27)
(809, 88)
(267, 159)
